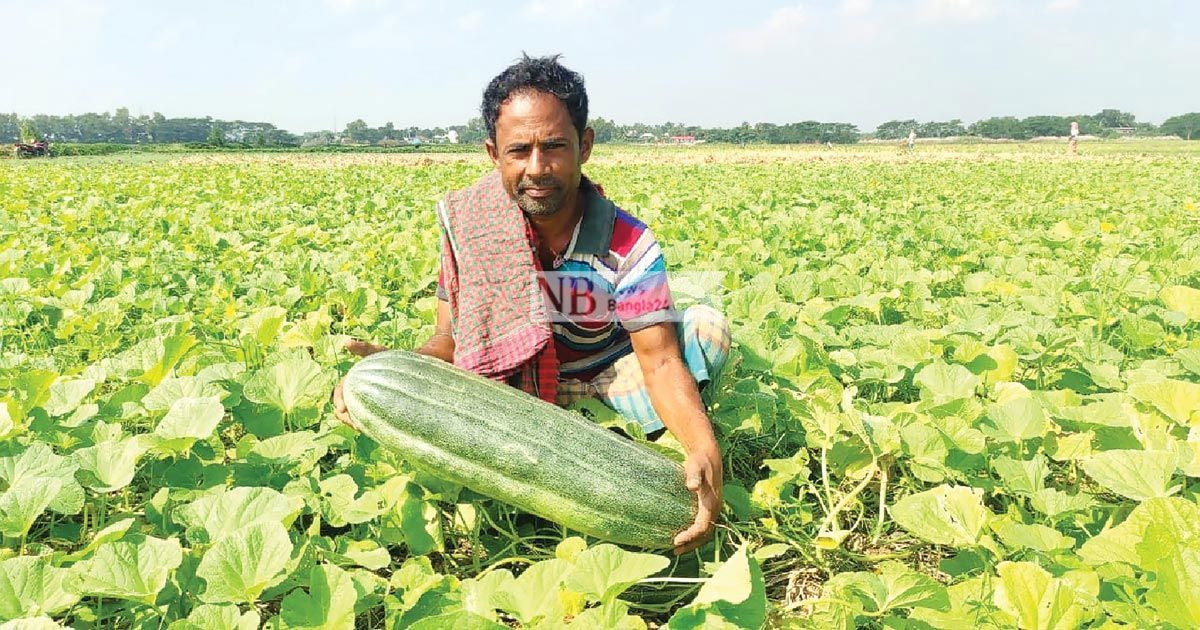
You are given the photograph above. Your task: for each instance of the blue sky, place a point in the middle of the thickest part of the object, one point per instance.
(311, 64)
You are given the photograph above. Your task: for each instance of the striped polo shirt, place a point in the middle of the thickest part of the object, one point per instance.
(616, 261)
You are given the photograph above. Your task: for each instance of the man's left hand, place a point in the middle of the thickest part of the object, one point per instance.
(703, 476)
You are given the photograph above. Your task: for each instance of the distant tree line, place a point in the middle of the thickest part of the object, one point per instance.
(120, 127)
(1109, 122)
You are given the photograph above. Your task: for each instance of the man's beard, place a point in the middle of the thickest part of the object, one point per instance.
(543, 206)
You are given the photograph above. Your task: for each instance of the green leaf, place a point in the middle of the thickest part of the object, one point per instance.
(30, 586)
(23, 503)
(221, 513)
(479, 594)
(1120, 543)
(1017, 420)
(7, 425)
(970, 607)
(167, 353)
(773, 550)
(368, 554)
(1189, 359)
(945, 515)
(31, 389)
(941, 383)
(1040, 601)
(735, 593)
(416, 521)
(896, 587)
(611, 616)
(263, 325)
(1186, 300)
(39, 462)
(110, 465)
(244, 563)
(1177, 400)
(1174, 557)
(329, 602)
(171, 390)
(424, 592)
(906, 588)
(66, 394)
(191, 419)
(535, 594)
(457, 620)
(130, 570)
(927, 451)
(31, 623)
(1141, 333)
(1053, 502)
(112, 531)
(706, 618)
(289, 447)
(1022, 476)
(1038, 537)
(297, 382)
(605, 571)
(340, 507)
(219, 617)
(1070, 447)
(1135, 474)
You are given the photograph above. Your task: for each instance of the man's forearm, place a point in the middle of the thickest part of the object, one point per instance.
(439, 346)
(676, 399)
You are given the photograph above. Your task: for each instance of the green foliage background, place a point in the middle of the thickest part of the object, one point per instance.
(965, 391)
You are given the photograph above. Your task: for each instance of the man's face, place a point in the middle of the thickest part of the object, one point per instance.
(538, 152)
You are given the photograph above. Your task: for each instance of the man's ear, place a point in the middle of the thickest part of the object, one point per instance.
(492, 151)
(585, 144)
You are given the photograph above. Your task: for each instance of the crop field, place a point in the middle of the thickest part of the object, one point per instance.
(964, 393)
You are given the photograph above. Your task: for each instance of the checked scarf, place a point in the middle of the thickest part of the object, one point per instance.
(491, 272)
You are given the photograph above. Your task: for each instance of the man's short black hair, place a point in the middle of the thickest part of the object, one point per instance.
(536, 74)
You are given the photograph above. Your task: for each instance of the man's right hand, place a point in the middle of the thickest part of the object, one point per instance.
(358, 348)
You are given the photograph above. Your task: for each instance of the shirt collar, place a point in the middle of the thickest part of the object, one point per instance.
(596, 226)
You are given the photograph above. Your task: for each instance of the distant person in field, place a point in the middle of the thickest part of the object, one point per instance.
(912, 139)
(1073, 142)
(537, 213)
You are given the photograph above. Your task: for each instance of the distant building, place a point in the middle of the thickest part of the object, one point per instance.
(683, 139)
(452, 136)
(647, 137)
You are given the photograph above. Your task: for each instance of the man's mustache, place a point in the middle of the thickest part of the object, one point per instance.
(537, 183)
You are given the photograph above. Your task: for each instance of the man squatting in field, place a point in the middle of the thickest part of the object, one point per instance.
(537, 213)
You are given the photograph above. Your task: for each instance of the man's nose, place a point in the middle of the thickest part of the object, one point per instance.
(538, 164)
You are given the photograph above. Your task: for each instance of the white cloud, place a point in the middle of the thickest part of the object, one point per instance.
(166, 38)
(470, 21)
(1063, 5)
(780, 30)
(349, 6)
(386, 33)
(569, 10)
(659, 18)
(958, 10)
(852, 8)
(77, 25)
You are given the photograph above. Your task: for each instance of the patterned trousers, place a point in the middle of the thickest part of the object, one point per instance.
(704, 341)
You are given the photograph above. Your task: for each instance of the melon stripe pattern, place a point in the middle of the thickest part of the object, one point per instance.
(512, 447)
